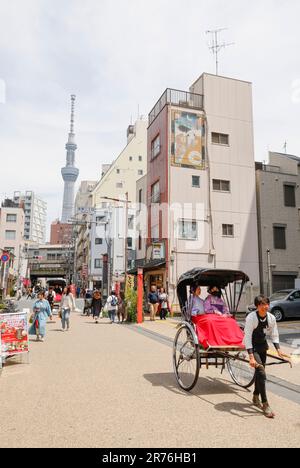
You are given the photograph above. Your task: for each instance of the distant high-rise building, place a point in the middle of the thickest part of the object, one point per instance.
(61, 233)
(70, 172)
(35, 216)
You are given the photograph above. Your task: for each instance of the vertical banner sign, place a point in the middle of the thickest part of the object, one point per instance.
(140, 297)
(14, 334)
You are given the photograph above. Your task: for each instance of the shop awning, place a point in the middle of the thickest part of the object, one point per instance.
(153, 265)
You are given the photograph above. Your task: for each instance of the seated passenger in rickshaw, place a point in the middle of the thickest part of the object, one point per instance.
(214, 303)
(213, 322)
(196, 304)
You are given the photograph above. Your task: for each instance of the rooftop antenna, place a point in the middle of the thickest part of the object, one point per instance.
(285, 147)
(73, 98)
(215, 46)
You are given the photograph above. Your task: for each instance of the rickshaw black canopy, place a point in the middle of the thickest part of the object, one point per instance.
(208, 277)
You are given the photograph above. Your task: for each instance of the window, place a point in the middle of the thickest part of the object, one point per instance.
(296, 296)
(155, 147)
(220, 139)
(10, 235)
(196, 181)
(140, 242)
(129, 243)
(99, 241)
(140, 172)
(9, 249)
(98, 263)
(155, 193)
(188, 230)
(279, 233)
(155, 233)
(119, 185)
(118, 171)
(131, 222)
(140, 196)
(130, 158)
(140, 158)
(228, 230)
(100, 219)
(11, 218)
(51, 257)
(221, 185)
(289, 195)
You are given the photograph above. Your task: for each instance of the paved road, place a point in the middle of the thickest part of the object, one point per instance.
(109, 386)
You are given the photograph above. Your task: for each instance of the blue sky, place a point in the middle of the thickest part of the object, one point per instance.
(118, 55)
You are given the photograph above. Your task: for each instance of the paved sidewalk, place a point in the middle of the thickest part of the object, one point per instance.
(110, 386)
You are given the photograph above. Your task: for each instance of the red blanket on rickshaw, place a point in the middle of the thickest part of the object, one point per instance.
(215, 331)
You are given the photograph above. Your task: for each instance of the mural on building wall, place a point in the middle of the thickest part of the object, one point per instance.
(188, 140)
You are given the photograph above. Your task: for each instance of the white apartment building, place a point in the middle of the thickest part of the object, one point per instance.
(35, 216)
(120, 177)
(12, 237)
(110, 238)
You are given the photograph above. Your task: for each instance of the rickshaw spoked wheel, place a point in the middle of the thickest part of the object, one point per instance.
(241, 372)
(186, 359)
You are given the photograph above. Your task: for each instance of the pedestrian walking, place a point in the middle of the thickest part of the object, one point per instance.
(51, 297)
(67, 306)
(164, 305)
(122, 316)
(29, 294)
(41, 311)
(153, 303)
(258, 325)
(112, 306)
(96, 305)
(19, 294)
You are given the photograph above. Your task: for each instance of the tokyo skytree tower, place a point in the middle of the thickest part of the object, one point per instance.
(70, 173)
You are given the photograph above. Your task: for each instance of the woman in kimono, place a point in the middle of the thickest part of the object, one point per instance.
(214, 304)
(41, 312)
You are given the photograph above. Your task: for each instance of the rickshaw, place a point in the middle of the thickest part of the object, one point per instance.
(189, 356)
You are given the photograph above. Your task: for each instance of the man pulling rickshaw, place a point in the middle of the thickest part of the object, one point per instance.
(210, 336)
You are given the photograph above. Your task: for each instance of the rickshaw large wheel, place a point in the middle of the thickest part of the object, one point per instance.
(241, 372)
(186, 359)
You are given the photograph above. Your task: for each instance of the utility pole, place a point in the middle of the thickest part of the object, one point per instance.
(270, 279)
(216, 46)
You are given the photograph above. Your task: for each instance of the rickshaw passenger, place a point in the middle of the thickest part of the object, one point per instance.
(214, 304)
(196, 304)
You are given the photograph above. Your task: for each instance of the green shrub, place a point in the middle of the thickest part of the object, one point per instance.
(131, 305)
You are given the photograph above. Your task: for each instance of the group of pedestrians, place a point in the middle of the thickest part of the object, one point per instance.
(42, 311)
(115, 307)
(158, 303)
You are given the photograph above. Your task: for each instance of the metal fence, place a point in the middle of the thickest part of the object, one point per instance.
(176, 98)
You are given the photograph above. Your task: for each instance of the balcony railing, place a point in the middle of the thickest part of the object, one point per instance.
(176, 98)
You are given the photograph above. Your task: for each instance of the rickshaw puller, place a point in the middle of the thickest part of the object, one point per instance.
(258, 325)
